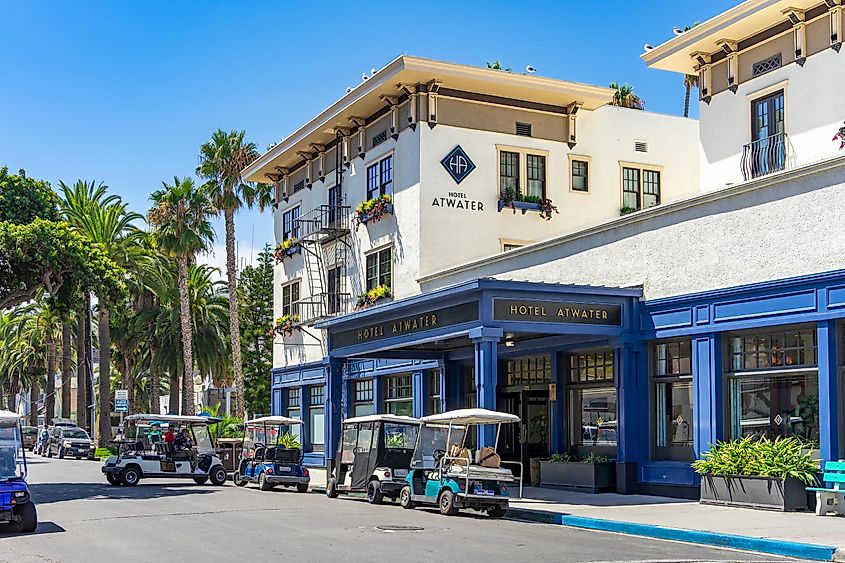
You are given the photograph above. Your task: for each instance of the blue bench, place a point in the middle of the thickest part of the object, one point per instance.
(832, 497)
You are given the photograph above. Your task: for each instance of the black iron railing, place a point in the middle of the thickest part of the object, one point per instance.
(325, 221)
(765, 156)
(322, 306)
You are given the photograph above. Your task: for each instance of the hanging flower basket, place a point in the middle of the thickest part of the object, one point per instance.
(840, 137)
(286, 249)
(285, 325)
(514, 200)
(373, 296)
(373, 210)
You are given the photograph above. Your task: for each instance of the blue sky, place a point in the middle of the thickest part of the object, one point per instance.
(125, 92)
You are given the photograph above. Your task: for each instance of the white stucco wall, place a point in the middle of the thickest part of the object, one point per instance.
(814, 112)
(787, 226)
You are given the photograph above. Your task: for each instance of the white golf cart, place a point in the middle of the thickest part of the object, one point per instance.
(143, 459)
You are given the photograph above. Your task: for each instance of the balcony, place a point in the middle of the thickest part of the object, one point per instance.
(324, 223)
(322, 306)
(765, 156)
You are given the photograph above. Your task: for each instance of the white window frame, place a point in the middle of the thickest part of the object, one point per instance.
(641, 167)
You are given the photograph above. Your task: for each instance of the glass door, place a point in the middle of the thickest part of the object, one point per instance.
(767, 133)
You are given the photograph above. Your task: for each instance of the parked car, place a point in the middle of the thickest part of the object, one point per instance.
(30, 436)
(70, 441)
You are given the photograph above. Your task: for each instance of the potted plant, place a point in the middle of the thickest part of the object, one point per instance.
(511, 198)
(286, 248)
(289, 441)
(285, 325)
(373, 209)
(593, 473)
(757, 473)
(626, 210)
(373, 296)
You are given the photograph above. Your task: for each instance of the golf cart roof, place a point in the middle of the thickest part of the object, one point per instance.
(383, 418)
(9, 418)
(274, 420)
(174, 418)
(471, 416)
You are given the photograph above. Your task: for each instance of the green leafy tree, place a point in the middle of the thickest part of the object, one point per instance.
(255, 303)
(624, 97)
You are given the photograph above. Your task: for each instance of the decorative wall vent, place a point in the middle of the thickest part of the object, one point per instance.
(766, 65)
(380, 138)
(523, 129)
(641, 146)
(299, 186)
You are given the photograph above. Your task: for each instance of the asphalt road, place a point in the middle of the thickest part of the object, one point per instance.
(82, 518)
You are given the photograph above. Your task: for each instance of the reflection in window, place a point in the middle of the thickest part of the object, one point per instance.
(593, 420)
(316, 418)
(433, 392)
(674, 414)
(399, 395)
(529, 370)
(363, 398)
(782, 349)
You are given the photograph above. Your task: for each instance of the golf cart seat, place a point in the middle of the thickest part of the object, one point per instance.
(259, 454)
(288, 455)
(181, 455)
(270, 454)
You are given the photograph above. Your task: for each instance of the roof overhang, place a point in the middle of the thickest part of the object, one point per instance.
(365, 100)
(739, 23)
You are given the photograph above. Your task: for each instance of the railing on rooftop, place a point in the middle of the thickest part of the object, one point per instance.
(765, 156)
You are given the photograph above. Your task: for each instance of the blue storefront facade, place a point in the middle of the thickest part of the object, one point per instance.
(590, 370)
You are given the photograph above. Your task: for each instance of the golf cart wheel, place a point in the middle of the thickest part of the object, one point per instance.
(263, 485)
(447, 503)
(302, 487)
(217, 475)
(28, 516)
(61, 453)
(331, 488)
(238, 480)
(405, 498)
(496, 511)
(130, 476)
(113, 479)
(374, 494)
(200, 480)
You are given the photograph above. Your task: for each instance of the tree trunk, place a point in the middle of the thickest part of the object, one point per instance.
(234, 326)
(187, 340)
(129, 383)
(687, 87)
(173, 402)
(33, 401)
(50, 389)
(155, 382)
(104, 334)
(67, 367)
(14, 388)
(81, 370)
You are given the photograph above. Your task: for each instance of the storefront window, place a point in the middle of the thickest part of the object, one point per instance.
(399, 395)
(529, 370)
(433, 392)
(362, 403)
(673, 400)
(591, 367)
(470, 392)
(592, 399)
(293, 411)
(780, 349)
(316, 418)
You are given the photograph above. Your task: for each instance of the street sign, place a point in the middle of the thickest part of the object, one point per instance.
(121, 405)
(121, 395)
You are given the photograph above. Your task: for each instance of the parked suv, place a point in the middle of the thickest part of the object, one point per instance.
(70, 441)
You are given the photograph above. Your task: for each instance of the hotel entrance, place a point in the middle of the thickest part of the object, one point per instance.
(525, 393)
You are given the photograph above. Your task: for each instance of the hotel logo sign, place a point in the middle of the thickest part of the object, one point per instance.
(526, 310)
(458, 164)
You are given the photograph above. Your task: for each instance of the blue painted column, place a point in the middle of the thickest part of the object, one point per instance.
(557, 438)
(348, 397)
(486, 342)
(377, 394)
(452, 391)
(828, 391)
(305, 436)
(419, 392)
(707, 391)
(443, 388)
(334, 408)
(632, 427)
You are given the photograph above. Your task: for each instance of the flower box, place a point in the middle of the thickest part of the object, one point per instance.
(521, 205)
(375, 215)
(769, 493)
(579, 476)
(281, 252)
(373, 296)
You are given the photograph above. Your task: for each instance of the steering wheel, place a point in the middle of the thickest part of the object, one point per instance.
(438, 455)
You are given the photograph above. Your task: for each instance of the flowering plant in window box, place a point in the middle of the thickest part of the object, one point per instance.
(626, 210)
(373, 296)
(285, 249)
(285, 325)
(840, 136)
(515, 200)
(373, 209)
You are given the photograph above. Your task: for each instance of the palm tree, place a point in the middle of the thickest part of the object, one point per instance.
(625, 97)
(105, 220)
(221, 161)
(179, 217)
(690, 80)
(67, 365)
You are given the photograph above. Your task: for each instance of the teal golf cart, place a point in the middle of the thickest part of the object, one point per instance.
(447, 474)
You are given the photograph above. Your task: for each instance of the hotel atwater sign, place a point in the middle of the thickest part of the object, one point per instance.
(407, 325)
(458, 164)
(529, 310)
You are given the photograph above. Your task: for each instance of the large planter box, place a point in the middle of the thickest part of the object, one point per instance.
(769, 493)
(521, 206)
(577, 476)
(371, 216)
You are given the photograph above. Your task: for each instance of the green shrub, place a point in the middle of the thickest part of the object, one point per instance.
(103, 453)
(594, 458)
(781, 457)
(288, 440)
(563, 457)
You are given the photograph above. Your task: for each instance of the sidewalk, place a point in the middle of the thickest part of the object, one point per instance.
(795, 534)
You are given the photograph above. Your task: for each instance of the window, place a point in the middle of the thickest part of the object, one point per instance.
(293, 411)
(592, 400)
(379, 266)
(334, 206)
(509, 172)
(767, 151)
(316, 418)
(333, 285)
(536, 177)
(580, 176)
(509, 246)
(362, 403)
(399, 395)
(433, 392)
(290, 224)
(529, 370)
(673, 404)
(772, 385)
(380, 178)
(290, 298)
(640, 188)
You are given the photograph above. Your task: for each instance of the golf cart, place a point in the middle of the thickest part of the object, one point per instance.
(374, 456)
(16, 506)
(270, 456)
(143, 459)
(447, 474)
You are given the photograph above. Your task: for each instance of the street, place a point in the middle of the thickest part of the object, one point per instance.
(82, 518)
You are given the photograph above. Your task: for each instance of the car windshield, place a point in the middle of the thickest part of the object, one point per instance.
(435, 439)
(75, 433)
(11, 458)
(400, 436)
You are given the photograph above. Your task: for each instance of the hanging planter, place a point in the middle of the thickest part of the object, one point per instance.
(373, 296)
(285, 325)
(373, 210)
(840, 137)
(286, 249)
(512, 199)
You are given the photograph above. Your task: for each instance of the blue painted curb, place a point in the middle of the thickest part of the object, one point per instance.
(763, 545)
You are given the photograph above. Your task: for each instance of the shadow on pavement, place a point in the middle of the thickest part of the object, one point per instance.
(43, 528)
(45, 493)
